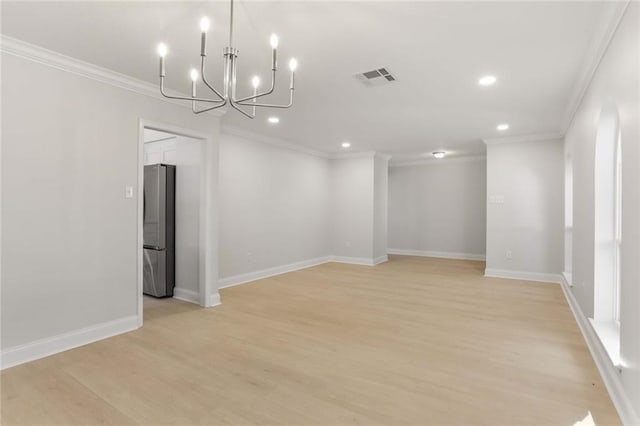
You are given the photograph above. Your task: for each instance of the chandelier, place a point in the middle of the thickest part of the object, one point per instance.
(228, 93)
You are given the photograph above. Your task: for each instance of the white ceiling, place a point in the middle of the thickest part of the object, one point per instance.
(436, 50)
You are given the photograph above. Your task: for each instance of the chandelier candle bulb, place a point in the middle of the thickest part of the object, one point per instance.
(204, 27)
(274, 41)
(293, 64)
(255, 82)
(194, 79)
(162, 52)
(204, 24)
(274, 59)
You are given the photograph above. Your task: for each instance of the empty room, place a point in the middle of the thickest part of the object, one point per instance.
(241, 212)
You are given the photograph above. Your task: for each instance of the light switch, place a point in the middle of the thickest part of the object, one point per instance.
(128, 192)
(496, 199)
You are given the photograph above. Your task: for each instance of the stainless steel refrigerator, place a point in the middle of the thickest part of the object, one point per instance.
(159, 230)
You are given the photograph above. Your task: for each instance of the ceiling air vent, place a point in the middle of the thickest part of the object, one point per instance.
(377, 77)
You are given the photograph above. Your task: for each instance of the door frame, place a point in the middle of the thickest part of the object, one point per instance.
(208, 265)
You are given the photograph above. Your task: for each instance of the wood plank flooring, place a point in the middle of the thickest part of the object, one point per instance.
(414, 341)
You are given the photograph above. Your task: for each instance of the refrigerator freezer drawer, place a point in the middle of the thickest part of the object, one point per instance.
(157, 274)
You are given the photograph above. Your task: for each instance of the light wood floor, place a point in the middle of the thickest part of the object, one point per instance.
(413, 341)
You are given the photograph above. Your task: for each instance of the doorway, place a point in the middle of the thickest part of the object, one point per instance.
(189, 154)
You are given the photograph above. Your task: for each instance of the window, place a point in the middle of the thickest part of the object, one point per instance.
(608, 232)
(618, 230)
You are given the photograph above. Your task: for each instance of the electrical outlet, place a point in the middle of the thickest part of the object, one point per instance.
(509, 254)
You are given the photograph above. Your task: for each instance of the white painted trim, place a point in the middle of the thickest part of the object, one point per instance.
(139, 225)
(186, 295)
(208, 274)
(365, 261)
(538, 137)
(592, 61)
(437, 254)
(252, 136)
(523, 275)
(567, 278)
(609, 373)
(63, 342)
(214, 299)
(270, 272)
(283, 269)
(435, 161)
(281, 143)
(349, 155)
(380, 259)
(50, 58)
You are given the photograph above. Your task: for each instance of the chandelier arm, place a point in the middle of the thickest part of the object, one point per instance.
(195, 111)
(204, 80)
(272, 105)
(259, 95)
(237, 108)
(184, 98)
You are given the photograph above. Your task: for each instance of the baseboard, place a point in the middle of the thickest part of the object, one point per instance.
(609, 373)
(63, 342)
(214, 300)
(277, 270)
(186, 295)
(269, 272)
(522, 275)
(567, 277)
(380, 259)
(366, 261)
(438, 254)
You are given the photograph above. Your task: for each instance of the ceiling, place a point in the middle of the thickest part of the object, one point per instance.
(436, 50)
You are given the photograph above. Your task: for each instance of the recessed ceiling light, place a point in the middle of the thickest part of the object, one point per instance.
(273, 120)
(438, 154)
(502, 127)
(487, 80)
(346, 144)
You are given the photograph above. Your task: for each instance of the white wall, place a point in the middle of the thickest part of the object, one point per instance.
(274, 206)
(525, 207)
(438, 207)
(615, 82)
(69, 241)
(352, 207)
(186, 154)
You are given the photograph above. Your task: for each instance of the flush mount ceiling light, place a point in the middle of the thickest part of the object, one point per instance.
(487, 80)
(502, 127)
(438, 154)
(228, 93)
(273, 120)
(346, 144)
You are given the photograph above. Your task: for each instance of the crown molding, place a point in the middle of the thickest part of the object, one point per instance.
(247, 134)
(524, 138)
(50, 58)
(435, 161)
(350, 155)
(593, 59)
